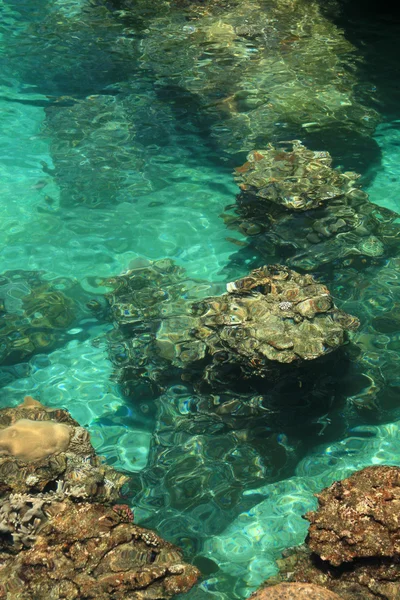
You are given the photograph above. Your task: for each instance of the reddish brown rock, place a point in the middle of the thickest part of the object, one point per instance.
(358, 517)
(295, 591)
(88, 550)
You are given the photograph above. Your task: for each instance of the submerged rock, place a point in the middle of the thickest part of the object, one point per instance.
(274, 314)
(352, 545)
(257, 67)
(59, 535)
(295, 207)
(272, 317)
(34, 314)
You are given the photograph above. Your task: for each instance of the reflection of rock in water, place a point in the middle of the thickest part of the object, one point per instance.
(353, 547)
(55, 506)
(229, 409)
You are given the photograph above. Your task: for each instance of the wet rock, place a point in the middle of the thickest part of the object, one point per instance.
(352, 544)
(357, 517)
(60, 537)
(295, 591)
(88, 550)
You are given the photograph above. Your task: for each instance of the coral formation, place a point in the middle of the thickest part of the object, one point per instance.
(59, 535)
(50, 450)
(352, 544)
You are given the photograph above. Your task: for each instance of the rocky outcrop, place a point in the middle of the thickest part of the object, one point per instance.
(352, 547)
(61, 533)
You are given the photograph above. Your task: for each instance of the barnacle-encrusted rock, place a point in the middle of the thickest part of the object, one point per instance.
(294, 206)
(353, 540)
(88, 550)
(358, 517)
(295, 591)
(44, 447)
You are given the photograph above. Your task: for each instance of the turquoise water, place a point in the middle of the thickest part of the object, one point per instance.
(105, 158)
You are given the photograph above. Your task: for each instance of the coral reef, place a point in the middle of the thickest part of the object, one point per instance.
(59, 535)
(295, 207)
(295, 591)
(352, 544)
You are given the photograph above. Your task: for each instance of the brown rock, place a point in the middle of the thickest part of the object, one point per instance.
(295, 591)
(358, 517)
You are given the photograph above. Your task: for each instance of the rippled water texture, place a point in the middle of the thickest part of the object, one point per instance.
(120, 126)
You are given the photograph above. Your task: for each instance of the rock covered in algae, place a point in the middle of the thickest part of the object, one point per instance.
(295, 591)
(34, 313)
(358, 517)
(60, 535)
(88, 550)
(44, 447)
(294, 206)
(353, 541)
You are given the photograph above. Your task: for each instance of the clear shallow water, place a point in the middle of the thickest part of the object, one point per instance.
(166, 203)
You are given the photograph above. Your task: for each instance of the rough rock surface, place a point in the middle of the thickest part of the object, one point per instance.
(358, 517)
(272, 317)
(59, 535)
(274, 314)
(299, 179)
(353, 542)
(88, 550)
(295, 591)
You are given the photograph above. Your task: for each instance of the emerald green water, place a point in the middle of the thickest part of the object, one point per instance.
(142, 173)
